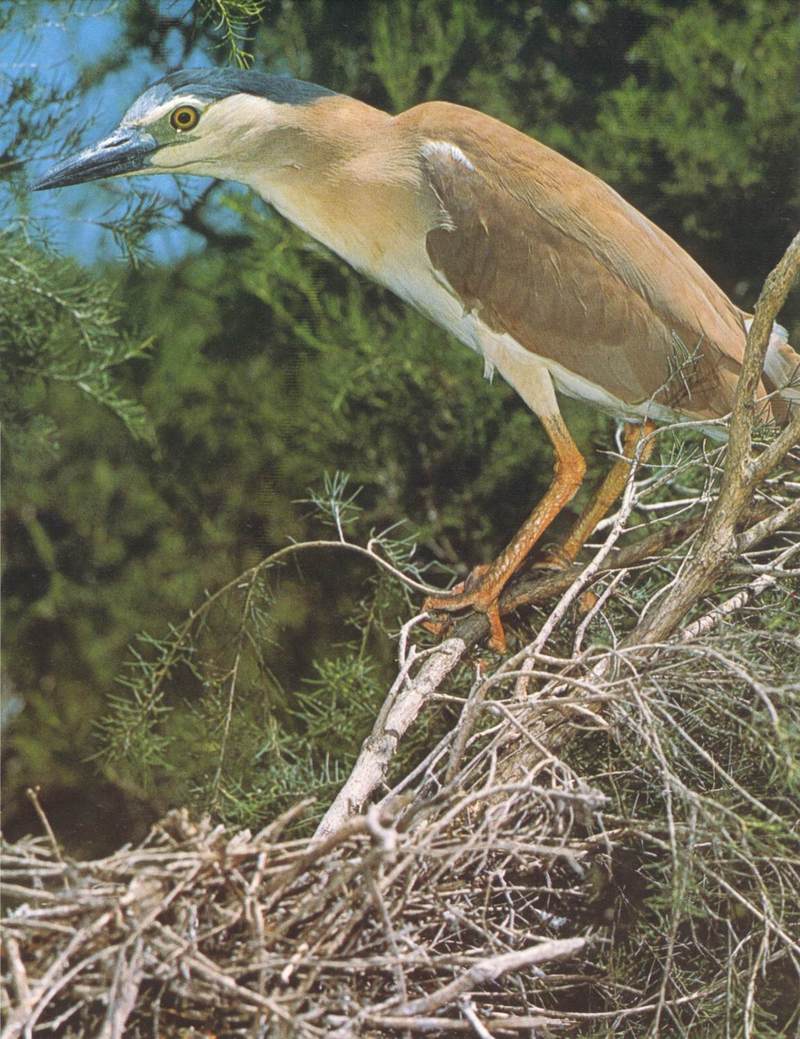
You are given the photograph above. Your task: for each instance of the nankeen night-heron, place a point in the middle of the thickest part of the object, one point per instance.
(533, 262)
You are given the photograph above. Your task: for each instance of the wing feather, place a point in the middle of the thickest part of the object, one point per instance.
(543, 250)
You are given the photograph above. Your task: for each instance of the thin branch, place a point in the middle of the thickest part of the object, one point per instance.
(491, 968)
(379, 747)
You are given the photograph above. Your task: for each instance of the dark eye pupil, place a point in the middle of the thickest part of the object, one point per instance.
(184, 118)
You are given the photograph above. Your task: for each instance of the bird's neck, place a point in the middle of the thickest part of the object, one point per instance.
(349, 179)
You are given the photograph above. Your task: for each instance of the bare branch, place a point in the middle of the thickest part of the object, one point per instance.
(379, 747)
(489, 969)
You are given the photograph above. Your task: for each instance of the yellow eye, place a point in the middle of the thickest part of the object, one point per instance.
(184, 118)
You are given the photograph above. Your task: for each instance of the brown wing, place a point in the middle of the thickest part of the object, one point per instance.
(541, 249)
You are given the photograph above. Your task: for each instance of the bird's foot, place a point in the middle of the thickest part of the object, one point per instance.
(479, 592)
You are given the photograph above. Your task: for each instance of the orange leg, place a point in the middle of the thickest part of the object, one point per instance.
(484, 593)
(609, 491)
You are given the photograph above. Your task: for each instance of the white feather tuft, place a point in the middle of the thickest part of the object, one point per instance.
(449, 151)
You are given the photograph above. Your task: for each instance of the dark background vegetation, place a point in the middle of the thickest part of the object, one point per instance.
(138, 479)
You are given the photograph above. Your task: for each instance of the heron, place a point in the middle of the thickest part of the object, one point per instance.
(531, 261)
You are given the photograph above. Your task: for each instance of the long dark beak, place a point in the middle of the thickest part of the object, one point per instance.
(126, 151)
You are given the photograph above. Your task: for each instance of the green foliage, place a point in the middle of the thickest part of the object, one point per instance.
(710, 120)
(202, 713)
(30, 109)
(233, 21)
(415, 47)
(58, 324)
(131, 224)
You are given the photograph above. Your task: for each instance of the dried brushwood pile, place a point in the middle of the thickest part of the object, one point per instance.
(604, 840)
(615, 849)
(381, 927)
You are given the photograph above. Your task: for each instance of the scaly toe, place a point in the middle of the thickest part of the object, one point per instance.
(469, 598)
(497, 637)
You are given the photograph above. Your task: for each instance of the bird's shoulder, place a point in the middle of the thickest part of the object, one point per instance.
(509, 160)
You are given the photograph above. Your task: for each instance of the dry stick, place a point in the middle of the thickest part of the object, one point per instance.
(767, 526)
(736, 602)
(223, 983)
(478, 1026)
(18, 1019)
(62, 983)
(33, 795)
(379, 747)
(128, 977)
(19, 976)
(491, 968)
(465, 727)
(529, 1025)
(316, 852)
(530, 591)
(759, 914)
(391, 936)
(775, 452)
(371, 768)
(718, 545)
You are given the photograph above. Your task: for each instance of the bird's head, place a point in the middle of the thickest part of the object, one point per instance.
(222, 123)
